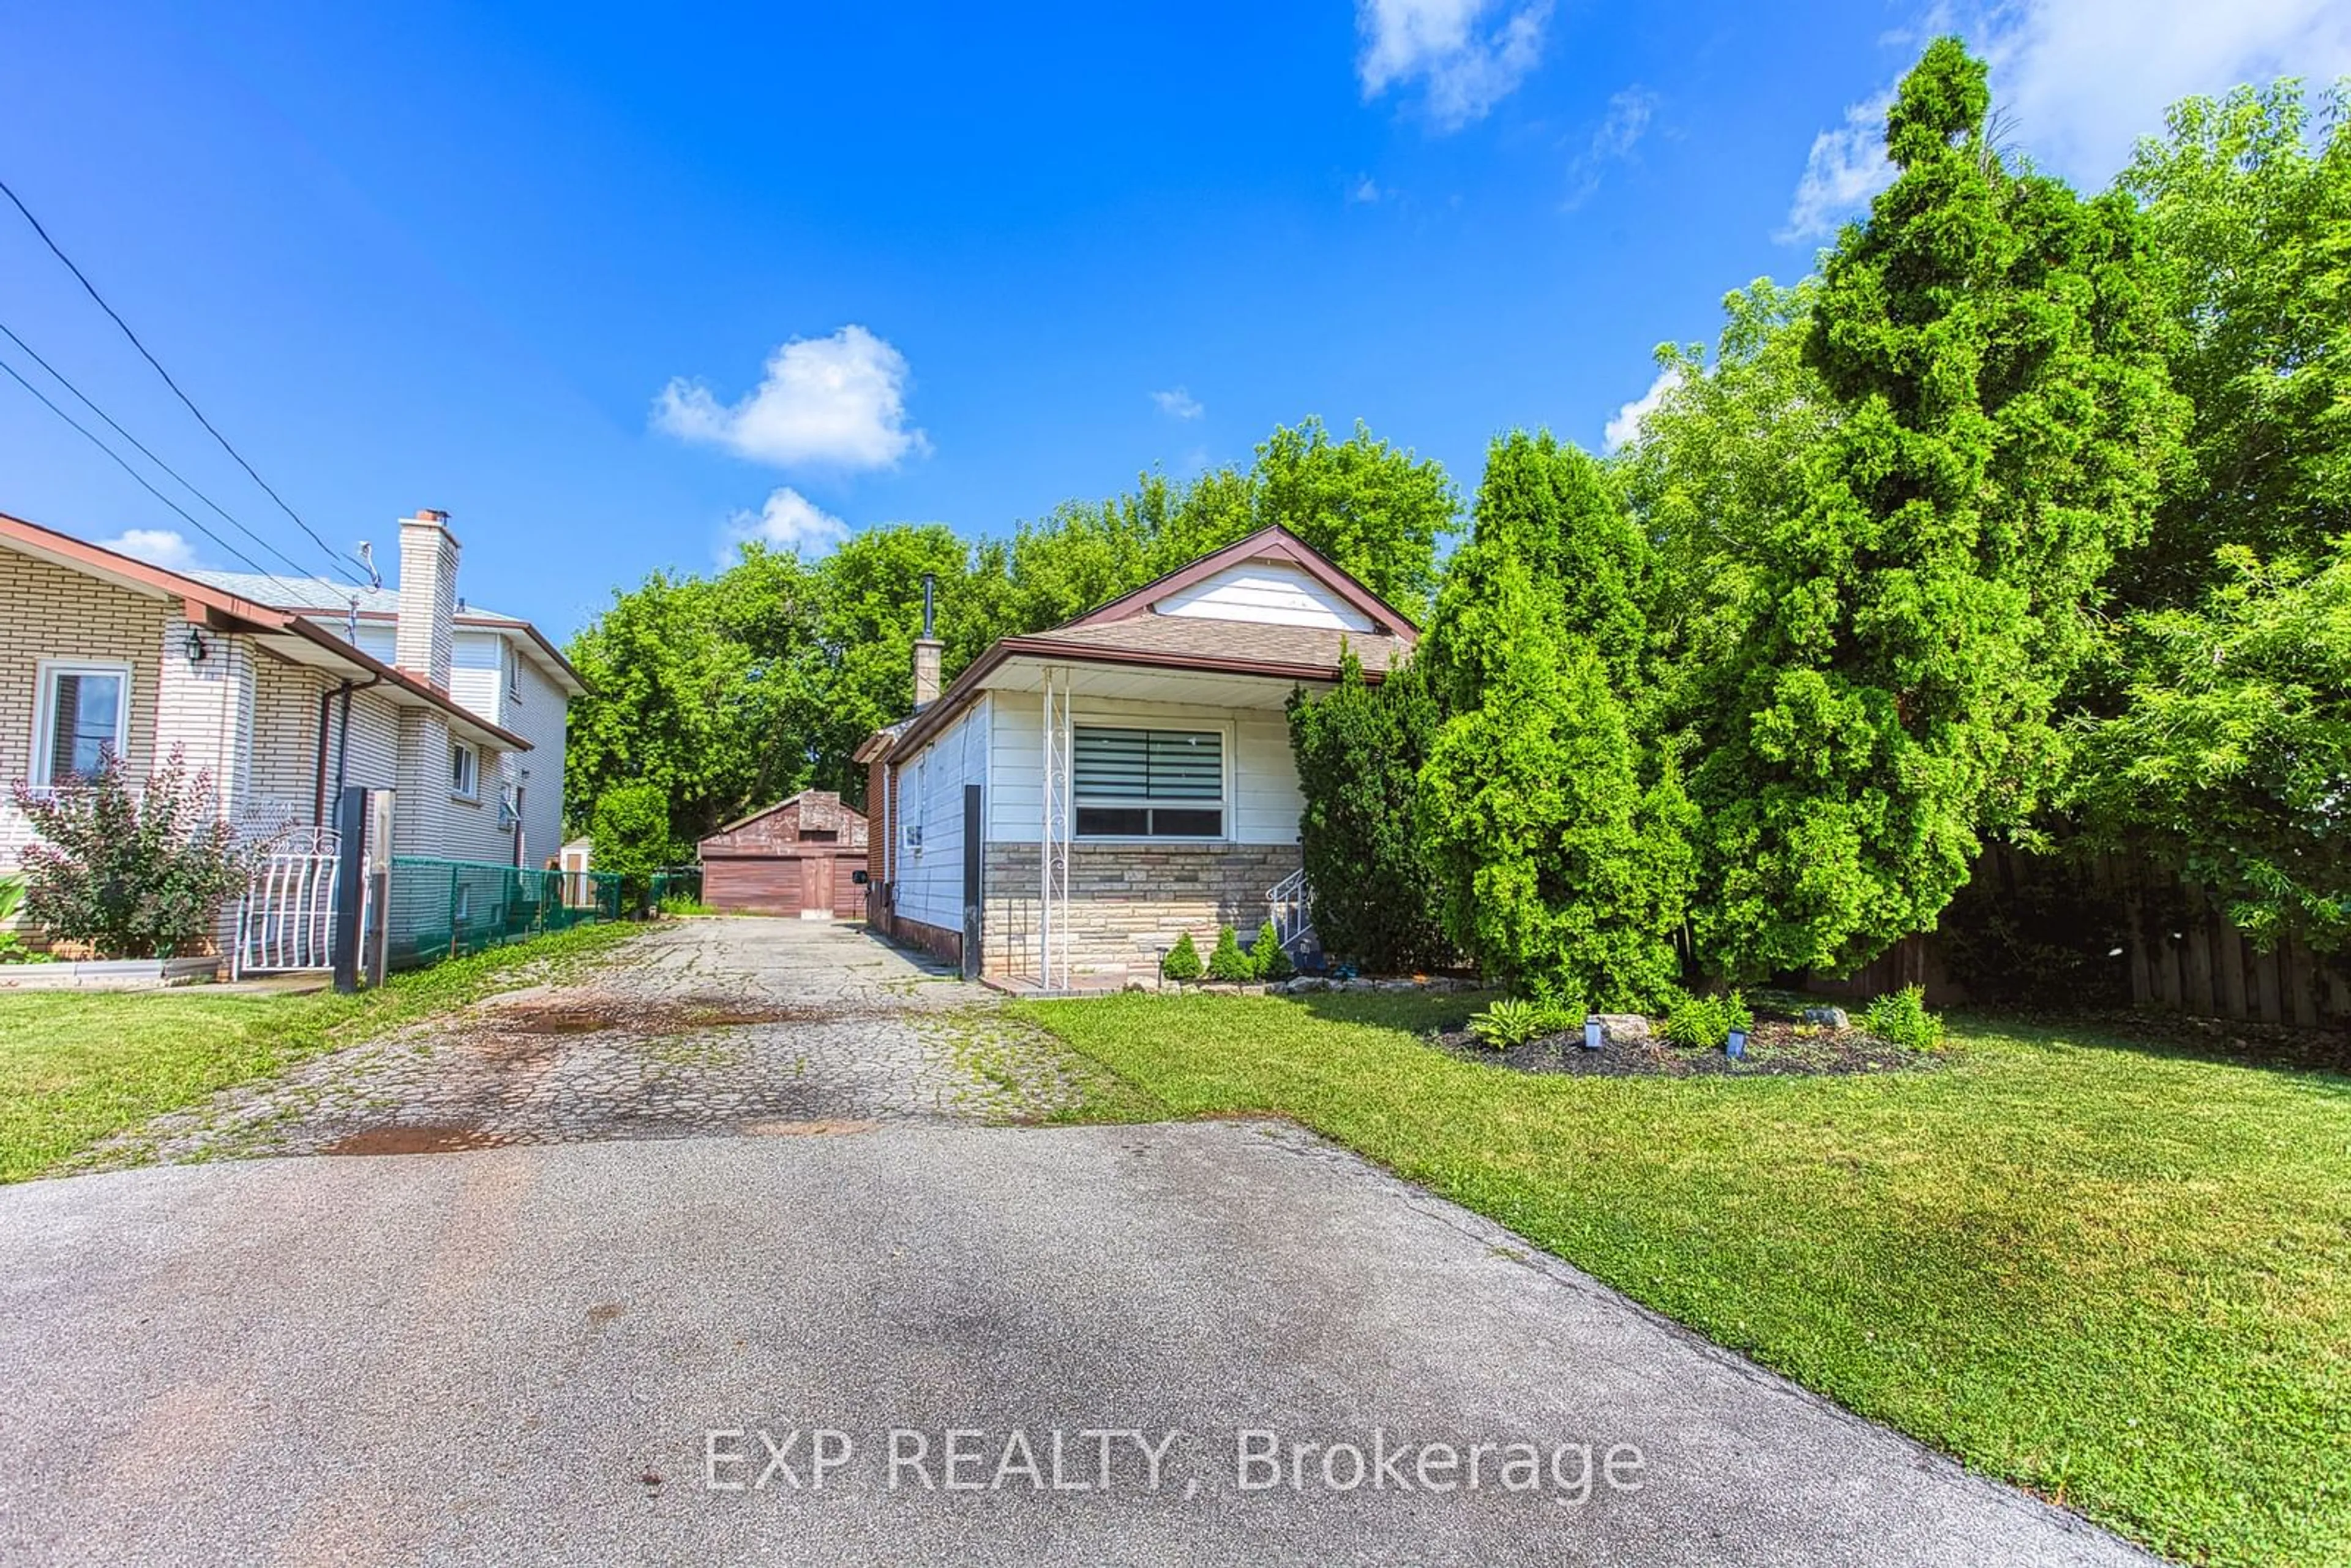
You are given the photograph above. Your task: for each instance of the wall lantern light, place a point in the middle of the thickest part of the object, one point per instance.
(196, 647)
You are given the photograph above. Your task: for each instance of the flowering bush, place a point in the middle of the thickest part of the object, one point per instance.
(135, 876)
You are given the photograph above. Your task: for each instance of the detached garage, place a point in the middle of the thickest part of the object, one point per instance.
(801, 856)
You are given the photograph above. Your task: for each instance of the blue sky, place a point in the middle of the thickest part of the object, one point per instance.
(612, 286)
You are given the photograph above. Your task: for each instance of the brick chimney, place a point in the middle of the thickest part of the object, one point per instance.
(428, 597)
(927, 649)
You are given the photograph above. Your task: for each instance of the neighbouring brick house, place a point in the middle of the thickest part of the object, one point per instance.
(800, 856)
(284, 688)
(1079, 798)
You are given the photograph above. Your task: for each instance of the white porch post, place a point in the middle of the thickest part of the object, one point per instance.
(1053, 838)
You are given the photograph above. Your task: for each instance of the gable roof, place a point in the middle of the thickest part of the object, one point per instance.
(830, 810)
(293, 637)
(1126, 632)
(1271, 543)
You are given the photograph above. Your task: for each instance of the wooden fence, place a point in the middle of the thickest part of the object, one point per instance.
(2185, 956)
(2178, 953)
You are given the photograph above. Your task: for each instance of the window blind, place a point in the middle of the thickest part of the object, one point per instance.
(1147, 764)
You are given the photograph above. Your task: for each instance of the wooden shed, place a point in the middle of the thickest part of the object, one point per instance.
(800, 856)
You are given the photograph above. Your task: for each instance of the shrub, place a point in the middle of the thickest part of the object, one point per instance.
(1227, 962)
(138, 876)
(1183, 960)
(1514, 1020)
(1703, 1024)
(1510, 1021)
(630, 829)
(1359, 751)
(1901, 1019)
(1267, 960)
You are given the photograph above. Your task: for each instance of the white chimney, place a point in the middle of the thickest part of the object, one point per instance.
(428, 597)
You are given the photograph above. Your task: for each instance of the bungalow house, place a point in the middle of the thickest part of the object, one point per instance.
(285, 689)
(1078, 799)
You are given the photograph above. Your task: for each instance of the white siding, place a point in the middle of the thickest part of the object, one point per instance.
(540, 716)
(1261, 776)
(1267, 593)
(477, 673)
(930, 793)
(378, 639)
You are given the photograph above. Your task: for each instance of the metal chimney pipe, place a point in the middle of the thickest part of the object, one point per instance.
(927, 650)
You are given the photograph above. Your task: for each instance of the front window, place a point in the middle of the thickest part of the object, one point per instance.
(83, 715)
(1148, 783)
(463, 778)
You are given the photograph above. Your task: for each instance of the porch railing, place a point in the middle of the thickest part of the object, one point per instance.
(1287, 907)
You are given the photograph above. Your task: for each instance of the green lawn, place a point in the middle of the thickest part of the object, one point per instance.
(2118, 1275)
(78, 1065)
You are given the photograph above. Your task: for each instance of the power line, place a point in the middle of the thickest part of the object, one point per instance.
(124, 464)
(61, 378)
(91, 289)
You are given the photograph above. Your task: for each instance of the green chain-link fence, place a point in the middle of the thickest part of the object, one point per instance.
(440, 908)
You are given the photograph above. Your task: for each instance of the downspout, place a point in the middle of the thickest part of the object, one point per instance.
(343, 745)
(319, 788)
(343, 736)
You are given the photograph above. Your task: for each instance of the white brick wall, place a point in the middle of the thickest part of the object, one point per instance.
(54, 613)
(252, 719)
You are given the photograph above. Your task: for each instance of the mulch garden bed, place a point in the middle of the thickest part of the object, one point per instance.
(1774, 1050)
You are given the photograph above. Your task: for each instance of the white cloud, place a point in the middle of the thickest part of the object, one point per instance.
(1627, 425)
(1845, 168)
(2077, 82)
(1363, 192)
(1177, 404)
(1621, 129)
(1467, 64)
(2084, 80)
(787, 522)
(837, 402)
(165, 548)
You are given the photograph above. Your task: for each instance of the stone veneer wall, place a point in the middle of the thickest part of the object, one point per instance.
(1129, 903)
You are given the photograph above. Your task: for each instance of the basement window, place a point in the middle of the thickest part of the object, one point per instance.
(1148, 783)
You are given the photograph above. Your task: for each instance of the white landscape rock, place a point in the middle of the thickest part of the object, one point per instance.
(1624, 1028)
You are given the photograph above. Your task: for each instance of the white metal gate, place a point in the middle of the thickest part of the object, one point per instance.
(286, 920)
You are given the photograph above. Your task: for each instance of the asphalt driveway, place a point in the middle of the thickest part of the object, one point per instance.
(1221, 1341)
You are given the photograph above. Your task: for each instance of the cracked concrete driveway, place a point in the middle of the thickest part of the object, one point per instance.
(590, 1350)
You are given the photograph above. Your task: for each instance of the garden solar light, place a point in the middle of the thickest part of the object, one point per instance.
(1592, 1032)
(1735, 1047)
